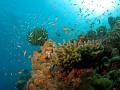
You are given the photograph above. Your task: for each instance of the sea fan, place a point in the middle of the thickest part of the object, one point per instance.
(38, 36)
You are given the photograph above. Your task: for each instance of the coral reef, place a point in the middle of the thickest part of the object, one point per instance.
(90, 62)
(90, 53)
(41, 68)
(91, 35)
(101, 32)
(114, 22)
(111, 21)
(38, 36)
(113, 39)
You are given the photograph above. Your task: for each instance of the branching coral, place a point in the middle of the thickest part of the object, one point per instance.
(77, 55)
(38, 36)
(66, 55)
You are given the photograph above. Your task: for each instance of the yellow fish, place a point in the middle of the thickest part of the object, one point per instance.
(65, 28)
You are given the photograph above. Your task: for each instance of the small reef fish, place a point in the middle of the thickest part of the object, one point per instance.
(11, 74)
(31, 33)
(18, 46)
(56, 18)
(57, 34)
(20, 72)
(29, 57)
(39, 38)
(65, 29)
(53, 24)
(25, 52)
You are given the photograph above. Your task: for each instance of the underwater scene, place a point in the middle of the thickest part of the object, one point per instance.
(59, 44)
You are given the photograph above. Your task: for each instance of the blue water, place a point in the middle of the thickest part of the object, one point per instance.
(18, 17)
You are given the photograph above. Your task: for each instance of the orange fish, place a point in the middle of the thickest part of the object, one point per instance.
(44, 56)
(40, 81)
(65, 29)
(49, 48)
(31, 86)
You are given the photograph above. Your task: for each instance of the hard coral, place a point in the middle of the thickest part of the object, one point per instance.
(101, 32)
(90, 53)
(66, 55)
(111, 21)
(113, 39)
(45, 53)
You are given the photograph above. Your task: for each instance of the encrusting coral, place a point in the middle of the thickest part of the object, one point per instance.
(41, 68)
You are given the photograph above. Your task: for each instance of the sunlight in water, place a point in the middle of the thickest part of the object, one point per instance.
(96, 6)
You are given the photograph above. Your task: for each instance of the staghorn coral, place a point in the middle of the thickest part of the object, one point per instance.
(66, 55)
(77, 55)
(38, 36)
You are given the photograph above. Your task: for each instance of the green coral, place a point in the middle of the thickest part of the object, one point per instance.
(114, 75)
(38, 36)
(91, 35)
(113, 39)
(103, 84)
(66, 56)
(91, 53)
(101, 32)
(111, 21)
